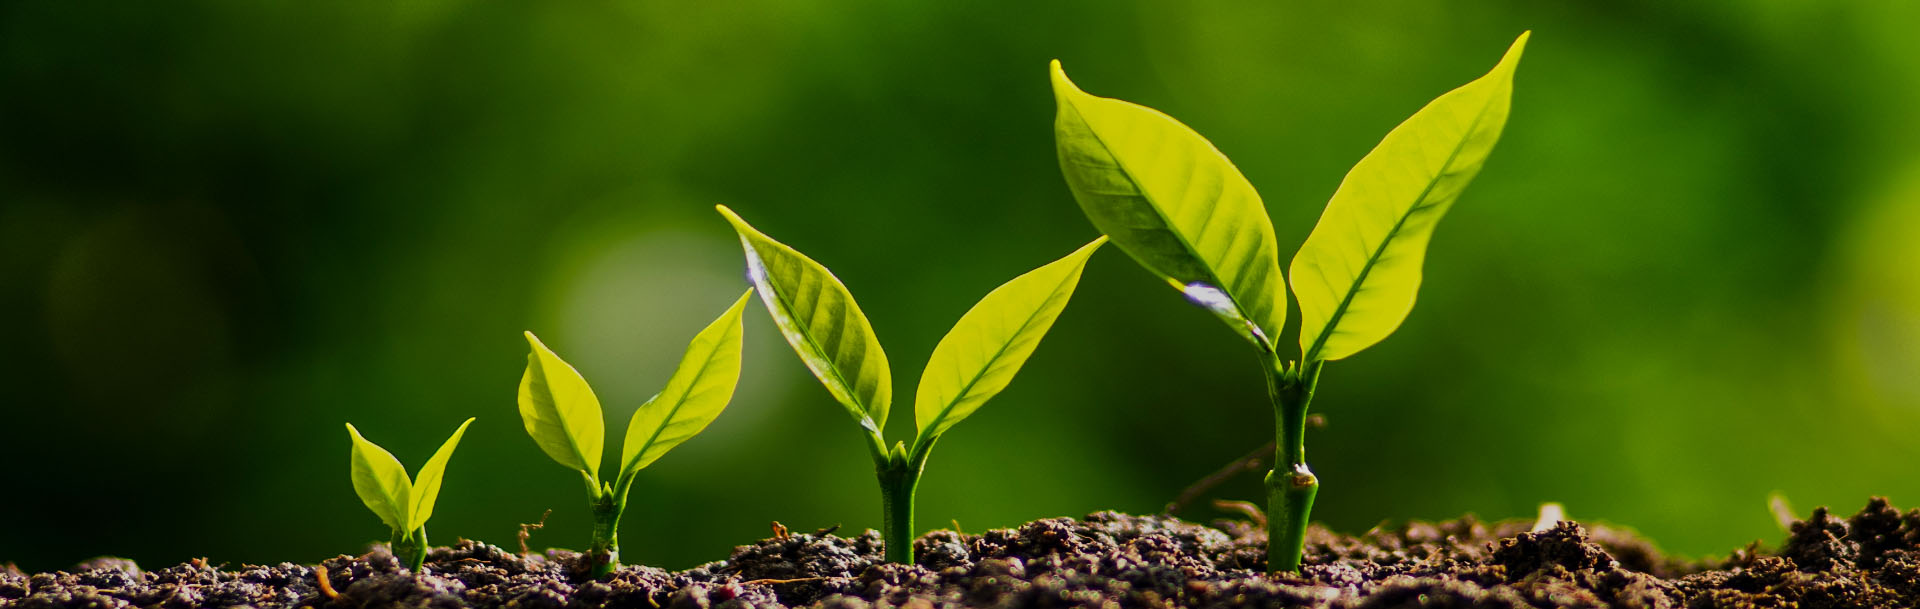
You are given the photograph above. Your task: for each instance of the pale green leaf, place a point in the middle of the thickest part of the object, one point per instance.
(819, 318)
(1174, 203)
(380, 481)
(1358, 273)
(426, 485)
(980, 355)
(560, 410)
(696, 393)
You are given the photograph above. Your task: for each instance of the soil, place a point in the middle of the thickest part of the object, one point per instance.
(1104, 561)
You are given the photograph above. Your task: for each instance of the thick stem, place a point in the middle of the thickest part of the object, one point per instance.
(1291, 485)
(899, 476)
(604, 554)
(410, 549)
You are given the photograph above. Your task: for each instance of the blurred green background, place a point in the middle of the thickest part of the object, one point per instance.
(1686, 278)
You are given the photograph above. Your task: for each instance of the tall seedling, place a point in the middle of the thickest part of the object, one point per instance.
(563, 416)
(973, 363)
(1170, 200)
(403, 503)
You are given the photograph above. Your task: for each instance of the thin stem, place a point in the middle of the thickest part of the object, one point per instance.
(1291, 485)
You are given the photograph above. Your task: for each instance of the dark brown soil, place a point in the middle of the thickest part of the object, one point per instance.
(1104, 561)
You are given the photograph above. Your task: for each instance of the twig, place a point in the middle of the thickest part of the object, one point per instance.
(764, 582)
(1248, 463)
(526, 531)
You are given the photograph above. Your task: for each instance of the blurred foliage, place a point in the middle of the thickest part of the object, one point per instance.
(1686, 278)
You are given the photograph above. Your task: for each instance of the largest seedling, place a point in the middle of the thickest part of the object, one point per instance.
(1170, 200)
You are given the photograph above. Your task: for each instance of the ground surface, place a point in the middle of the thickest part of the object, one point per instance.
(1103, 561)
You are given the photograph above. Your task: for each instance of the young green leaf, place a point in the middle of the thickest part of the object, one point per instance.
(696, 393)
(426, 485)
(1174, 203)
(819, 318)
(560, 410)
(381, 482)
(982, 352)
(1359, 271)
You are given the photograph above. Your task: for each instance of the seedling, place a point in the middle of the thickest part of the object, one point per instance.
(563, 416)
(403, 503)
(1174, 203)
(973, 363)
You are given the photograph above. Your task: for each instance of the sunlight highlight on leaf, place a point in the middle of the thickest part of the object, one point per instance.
(426, 486)
(819, 318)
(1170, 200)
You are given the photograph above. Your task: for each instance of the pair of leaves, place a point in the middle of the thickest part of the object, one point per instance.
(562, 414)
(403, 503)
(1175, 204)
(974, 362)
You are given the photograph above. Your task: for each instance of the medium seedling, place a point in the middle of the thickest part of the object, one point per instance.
(403, 503)
(563, 416)
(1174, 203)
(973, 363)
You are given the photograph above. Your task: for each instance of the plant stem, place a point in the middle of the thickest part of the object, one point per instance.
(604, 554)
(1291, 485)
(410, 549)
(899, 477)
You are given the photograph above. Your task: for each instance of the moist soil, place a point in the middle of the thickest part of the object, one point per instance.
(1105, 560)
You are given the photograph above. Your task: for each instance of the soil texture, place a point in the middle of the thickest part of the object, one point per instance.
(1104, 561)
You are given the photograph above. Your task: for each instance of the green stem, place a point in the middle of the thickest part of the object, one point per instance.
(899, 477)
(1291, 485)
(411, 550)
(604, 554)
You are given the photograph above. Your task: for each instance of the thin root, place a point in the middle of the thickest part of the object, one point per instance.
(526, 531)
(1244, 508)
(764, 582)
(1249, 463)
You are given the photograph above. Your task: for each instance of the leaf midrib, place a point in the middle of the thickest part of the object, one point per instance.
(1213, 276)
(982, 373)
(807, 335)
(1359, 279)
(705, 363)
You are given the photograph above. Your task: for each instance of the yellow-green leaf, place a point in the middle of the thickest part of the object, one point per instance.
(426, 485)
(819, 318)
(1174, 203)
(380, 481)
(560, 410)
(980, 355)
(696, 393)
(1358, 272)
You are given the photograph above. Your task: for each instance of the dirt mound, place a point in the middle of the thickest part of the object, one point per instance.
(1106, 560)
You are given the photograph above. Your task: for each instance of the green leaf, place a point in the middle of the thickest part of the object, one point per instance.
(1170, 200)
(819, 318)
(426, 485)
(1358, 273)
(696, 393)
(380, 481)
(980, 355)
(560, 410)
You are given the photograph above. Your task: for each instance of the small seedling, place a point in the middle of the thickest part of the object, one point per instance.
(973, 363)
(404, 504)
(563, 416)
(1170, 200)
